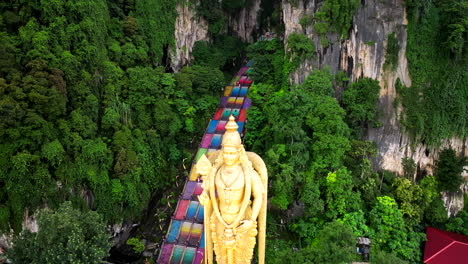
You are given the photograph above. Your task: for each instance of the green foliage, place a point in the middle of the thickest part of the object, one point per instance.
(85, 113)
(393, 48)
(4, 217)
(459, 224)
(130, 26)
(84, 107)
(64, 236)
(303, 148)
(335, 243)
(157, 20)
(306, 20)
(335, 15)
(305, 152)
(212, 12)
(365, 180)
(455, 25)
(226, 50)
(436, 214)
(300, 48)
(449, 169)
(360, 102)
(340, 197)
(270, 65)
(409, 196)
(435, 104)
(137, 245)
(320, 82)
(409, 167)
(233, 6)
(382, 257)
(388, 232)
(357, 221)
(205, 55)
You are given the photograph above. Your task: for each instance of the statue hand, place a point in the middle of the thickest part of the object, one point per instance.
(203, 198)
(245, 226)
(203, 166)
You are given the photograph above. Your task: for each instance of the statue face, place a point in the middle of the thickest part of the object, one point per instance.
(230, 155)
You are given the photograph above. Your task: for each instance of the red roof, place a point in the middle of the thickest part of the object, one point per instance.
(445, 247)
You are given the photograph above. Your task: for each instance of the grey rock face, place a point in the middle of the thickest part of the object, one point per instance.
(363, 55)
(189, 28)
(453, 202)
(244, 23)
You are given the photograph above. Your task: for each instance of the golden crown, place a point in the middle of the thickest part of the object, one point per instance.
(231, 137)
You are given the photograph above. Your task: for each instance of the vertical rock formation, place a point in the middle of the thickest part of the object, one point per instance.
(244, 23)
(189, 28)
(330, 56)
(454, 202)
(363, 55)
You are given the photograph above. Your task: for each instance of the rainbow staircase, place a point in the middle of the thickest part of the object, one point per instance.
(184, 242)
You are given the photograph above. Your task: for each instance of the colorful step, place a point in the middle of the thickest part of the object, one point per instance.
(177, 254)
(189, 255)
(192, 210)
(185, 239)
(181, 209)
(166, 253)
(174, 229)
(189, 190)
(212, 126)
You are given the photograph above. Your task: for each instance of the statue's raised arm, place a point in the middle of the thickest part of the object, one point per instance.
(234, 196)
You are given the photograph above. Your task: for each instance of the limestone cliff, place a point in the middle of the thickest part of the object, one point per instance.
(363, 55)
(189, 28)
(244, 23)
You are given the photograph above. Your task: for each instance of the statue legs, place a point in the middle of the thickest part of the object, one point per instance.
(231, 247)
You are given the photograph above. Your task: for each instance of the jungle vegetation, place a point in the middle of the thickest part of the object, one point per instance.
(92, 114)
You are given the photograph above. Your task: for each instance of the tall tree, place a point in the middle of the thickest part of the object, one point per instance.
(64, 236)
(449, 169)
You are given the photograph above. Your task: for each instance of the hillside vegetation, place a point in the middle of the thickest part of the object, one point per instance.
(91, 113)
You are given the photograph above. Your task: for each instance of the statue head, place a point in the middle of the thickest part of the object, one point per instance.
(231, 143)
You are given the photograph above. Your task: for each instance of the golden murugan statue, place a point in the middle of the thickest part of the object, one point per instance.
(234, 197)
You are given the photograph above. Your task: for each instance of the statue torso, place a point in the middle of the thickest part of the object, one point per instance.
(230, 184)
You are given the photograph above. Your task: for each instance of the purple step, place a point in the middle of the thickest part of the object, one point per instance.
(166, 253)
(189, 189)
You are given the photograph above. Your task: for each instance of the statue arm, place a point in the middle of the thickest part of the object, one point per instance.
(204, 167)
(257, 190)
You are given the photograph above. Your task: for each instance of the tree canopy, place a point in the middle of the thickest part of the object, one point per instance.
(64, 236)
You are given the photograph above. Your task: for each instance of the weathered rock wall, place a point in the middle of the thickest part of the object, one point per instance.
(363, 55)
(330, 56)
(454, 202)
(244, 23)
(189, 28)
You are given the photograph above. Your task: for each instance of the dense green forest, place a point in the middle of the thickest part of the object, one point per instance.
(322, 183)
(91, 113)
(435, 104)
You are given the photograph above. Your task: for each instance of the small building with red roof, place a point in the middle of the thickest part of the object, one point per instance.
(443, 247)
